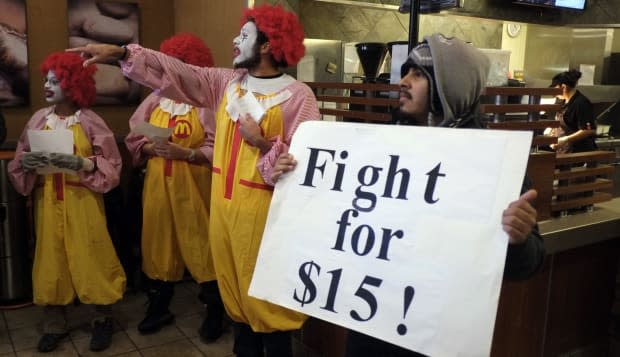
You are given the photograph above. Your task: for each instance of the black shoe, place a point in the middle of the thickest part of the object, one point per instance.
(102, 335)
(211, 328)
(155, 321)
(157, 314)
(49, 341)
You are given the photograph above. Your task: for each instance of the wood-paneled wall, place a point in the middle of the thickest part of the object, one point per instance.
(215, 21)
(48, 32)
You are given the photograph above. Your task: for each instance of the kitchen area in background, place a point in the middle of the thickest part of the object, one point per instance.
(526, 53)
(537, 51)
(541, 42)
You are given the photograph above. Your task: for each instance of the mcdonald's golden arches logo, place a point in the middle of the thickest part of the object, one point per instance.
(182, 129)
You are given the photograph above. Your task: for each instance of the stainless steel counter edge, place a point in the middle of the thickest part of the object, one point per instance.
(573, 231)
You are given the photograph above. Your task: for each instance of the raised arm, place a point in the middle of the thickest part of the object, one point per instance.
(170, 77)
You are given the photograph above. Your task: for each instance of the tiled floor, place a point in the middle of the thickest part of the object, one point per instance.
(20, 331)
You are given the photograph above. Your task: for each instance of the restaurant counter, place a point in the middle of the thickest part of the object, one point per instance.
(566, 308)
(577, 230)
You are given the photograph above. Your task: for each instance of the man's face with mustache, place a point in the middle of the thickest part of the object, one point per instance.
(245, 49)
(414, 100)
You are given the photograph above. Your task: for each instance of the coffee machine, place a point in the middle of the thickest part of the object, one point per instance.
(371, 56)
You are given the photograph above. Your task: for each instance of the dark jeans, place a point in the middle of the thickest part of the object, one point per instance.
(360, 345)
(257, 344)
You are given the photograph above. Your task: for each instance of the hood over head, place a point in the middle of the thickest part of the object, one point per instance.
(457, 74)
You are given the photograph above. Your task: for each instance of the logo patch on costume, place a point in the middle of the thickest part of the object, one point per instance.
(182, 129)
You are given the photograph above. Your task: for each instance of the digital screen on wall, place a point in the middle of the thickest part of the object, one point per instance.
(562, 4)
(428, 6)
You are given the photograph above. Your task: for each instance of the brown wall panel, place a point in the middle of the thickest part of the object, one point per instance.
(45, 34)
(521, 315)
(215, 21)
(580, 299)
(48, 32)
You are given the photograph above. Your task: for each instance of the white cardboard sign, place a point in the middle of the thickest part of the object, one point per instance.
(394, 231)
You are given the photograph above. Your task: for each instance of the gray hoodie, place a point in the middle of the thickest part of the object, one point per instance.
(460, 72)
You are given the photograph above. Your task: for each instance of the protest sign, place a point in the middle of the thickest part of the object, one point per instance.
(394, 231)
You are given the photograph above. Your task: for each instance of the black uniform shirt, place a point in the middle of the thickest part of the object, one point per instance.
(579, 115)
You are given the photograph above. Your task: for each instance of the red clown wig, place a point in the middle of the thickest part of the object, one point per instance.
(282, 28)
(76, 81)
(189, 49)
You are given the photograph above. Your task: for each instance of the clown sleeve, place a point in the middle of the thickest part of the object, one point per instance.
(207, 119)
(106, 156)
(133, 141)
(23, 181)
(171, 78)
(301, 107)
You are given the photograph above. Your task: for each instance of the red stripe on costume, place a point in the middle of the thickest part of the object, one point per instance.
(168, 168)
(234, 155)
(68, 183)
(58, 187)
(172, 122)
(216, 170)
(261, 186)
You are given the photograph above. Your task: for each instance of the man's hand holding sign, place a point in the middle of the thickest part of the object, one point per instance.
(397, 238)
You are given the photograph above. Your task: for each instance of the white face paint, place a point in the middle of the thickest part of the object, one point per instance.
(243, 45)
(53, 92)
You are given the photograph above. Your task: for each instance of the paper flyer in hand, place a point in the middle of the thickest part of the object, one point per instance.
(51, 141)
(248, 104)
(154, 133)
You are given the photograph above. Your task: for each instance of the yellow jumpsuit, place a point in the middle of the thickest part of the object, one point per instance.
(239, 192)
(175, 206)
(238, 218)
(74, 254)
